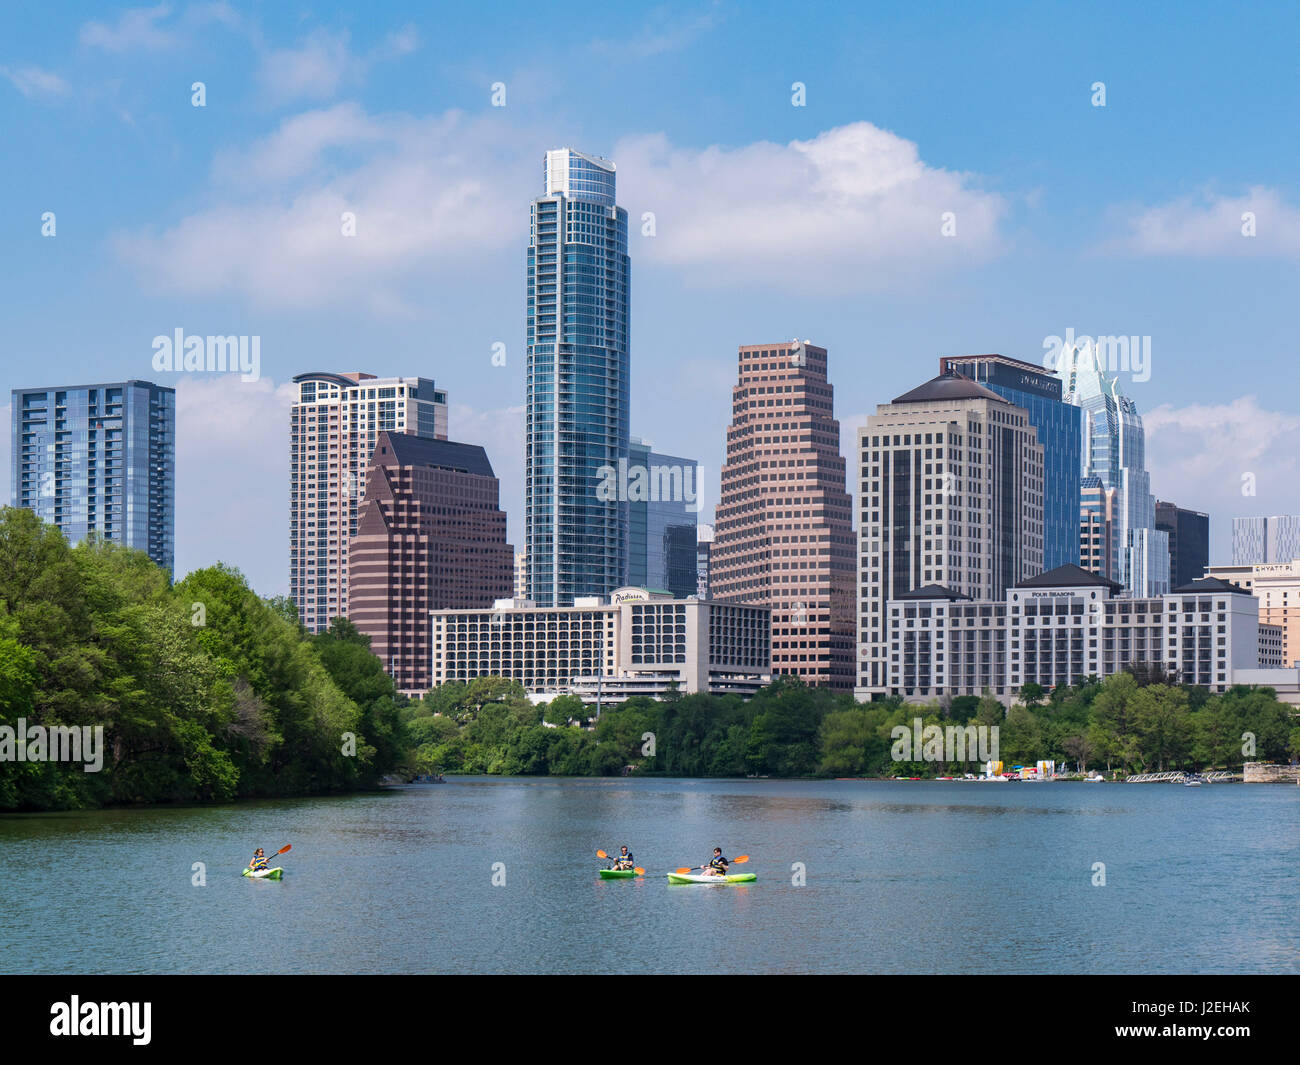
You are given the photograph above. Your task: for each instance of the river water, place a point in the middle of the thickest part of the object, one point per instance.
(490, 875)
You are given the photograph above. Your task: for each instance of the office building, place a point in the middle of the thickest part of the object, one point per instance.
(521, 575)
(1060, 430)
(633, 642)
(431, 536)
(1257, 541)
(703, 550)
(663, 504)
(334, 422)
(1098, 527)
(951, 476)
(578, 400)
(1189, 541)
(1114, 451)
(99, 460)
(783, 534)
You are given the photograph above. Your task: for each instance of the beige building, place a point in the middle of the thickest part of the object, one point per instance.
(634, 642)
(333, 424)
(1276, 585)
(952, 496)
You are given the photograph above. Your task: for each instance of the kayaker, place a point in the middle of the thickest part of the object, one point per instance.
(624, 859)
(717, 865)
(259, 861)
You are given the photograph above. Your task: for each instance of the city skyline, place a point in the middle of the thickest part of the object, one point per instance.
(1151, 258)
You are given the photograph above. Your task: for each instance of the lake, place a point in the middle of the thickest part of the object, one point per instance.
(900, 877)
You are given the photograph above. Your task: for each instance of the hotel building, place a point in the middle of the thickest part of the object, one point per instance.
(1276, 588)
(952, 495)
(333, 424)
(430, 536)
(783, 535)
(632, 643)
(99, 459)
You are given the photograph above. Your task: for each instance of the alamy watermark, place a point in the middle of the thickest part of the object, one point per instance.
(653, 484)
(934, 743)
(220, 354)
(1113, 354)
(58, 743)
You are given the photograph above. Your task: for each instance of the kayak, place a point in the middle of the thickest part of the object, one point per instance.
(618, 874)
(697, 878)
(264, 874)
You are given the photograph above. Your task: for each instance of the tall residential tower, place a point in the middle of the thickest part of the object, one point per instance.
(577, 420)
(99, 459)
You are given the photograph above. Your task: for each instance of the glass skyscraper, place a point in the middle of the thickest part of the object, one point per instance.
(662, 521)
(1060, 431)
(577, 420)
(1114, 451)
(100, 459)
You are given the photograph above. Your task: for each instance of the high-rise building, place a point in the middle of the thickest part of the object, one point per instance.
(1098, 527)
(663, 502)
(431, 536)
(333, 425)
(578, 401)
(1189, 541)
(703, 550)
(952, 499)
(521, 574)
(99, 459)
(783, 534)
(1060, 431)
(1256, 541)
(1276, 587)
(1114, 450)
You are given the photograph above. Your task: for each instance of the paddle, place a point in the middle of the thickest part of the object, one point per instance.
(283, 850)
(691, 868)
(636, 868)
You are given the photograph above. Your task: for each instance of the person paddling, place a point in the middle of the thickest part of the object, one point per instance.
(624, 859)
(259, 861)
(717, 864)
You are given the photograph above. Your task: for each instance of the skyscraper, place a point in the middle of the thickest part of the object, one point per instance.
(663, 501)
(1256, 541)
(1098, 528)
(1189, 541)
(952, 502)
(783, 534)
(578, 397)
(431, 536)
(99, 459)
(1059, 426)
(333, 425)
(1114, 451)
(703, 554)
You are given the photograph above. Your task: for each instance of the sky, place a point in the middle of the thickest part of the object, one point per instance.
(892, 182)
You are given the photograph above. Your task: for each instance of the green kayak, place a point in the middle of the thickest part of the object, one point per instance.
(618, 874)
(693, 878)
(264, 874)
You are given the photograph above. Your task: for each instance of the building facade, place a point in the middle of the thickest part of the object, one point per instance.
(1098, 527)
(431, 536)
(1065, 626)
(578, 398)
(334, 422)
(663, 504)
(633, 642)
(1189, 541)
(783, 534)
(1060, 430)
(1114, 451)
(1257, 541)
(952, 495)
(1276, 588)
(703, 551)
(99, 460)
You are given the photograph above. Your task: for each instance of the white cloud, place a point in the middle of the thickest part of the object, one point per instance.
(853, 207)
(232, 477)
(664, 31)
(136, 27)
(428, 194)
(1212, 225)
(324, 63)
(37, 84)
(1201, 457)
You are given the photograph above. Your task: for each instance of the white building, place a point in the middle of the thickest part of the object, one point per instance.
(636, 642)
(1065, 626)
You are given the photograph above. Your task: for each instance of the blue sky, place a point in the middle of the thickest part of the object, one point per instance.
(771, 220)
